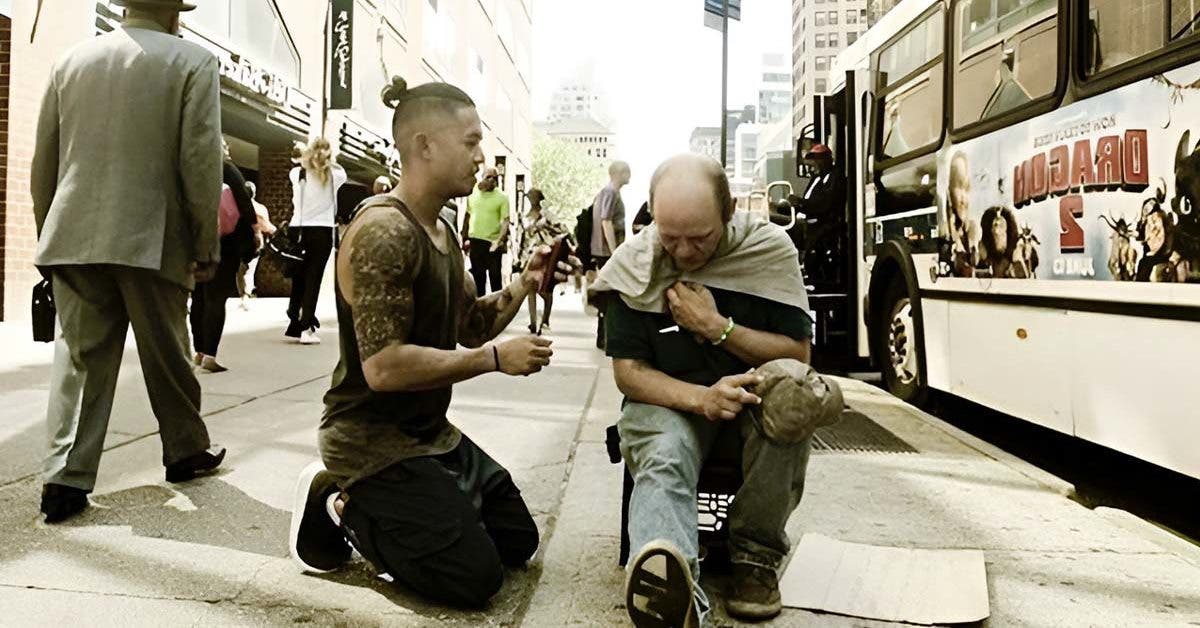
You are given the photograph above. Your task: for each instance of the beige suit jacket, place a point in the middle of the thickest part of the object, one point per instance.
(127, 165)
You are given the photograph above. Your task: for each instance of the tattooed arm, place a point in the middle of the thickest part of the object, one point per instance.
(485, 317)
(377, 277)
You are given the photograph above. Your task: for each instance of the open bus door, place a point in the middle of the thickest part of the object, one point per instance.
(829, 205)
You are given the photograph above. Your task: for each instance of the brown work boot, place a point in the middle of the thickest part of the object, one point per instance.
(755, 593)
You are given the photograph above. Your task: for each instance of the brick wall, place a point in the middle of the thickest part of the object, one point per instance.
(27, 82)
(274, 191)
(5, 72)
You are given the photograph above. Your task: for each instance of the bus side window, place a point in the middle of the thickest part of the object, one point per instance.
(1006, 55)
(910, 71)
(1124, 30)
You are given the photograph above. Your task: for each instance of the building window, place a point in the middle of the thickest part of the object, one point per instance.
(1016, 64)
(440, 31)
(821, 64)
(833, 40)
(477, 83)
(820, 40)
(833, 18)
(852, 17)
(819, 18)
(252, 27)
(397, 13)
(851, 38)
(820, 85)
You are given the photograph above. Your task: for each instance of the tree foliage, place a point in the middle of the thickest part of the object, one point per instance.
(567, 175)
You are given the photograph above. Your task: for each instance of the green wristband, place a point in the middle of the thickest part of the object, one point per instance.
(725, 334)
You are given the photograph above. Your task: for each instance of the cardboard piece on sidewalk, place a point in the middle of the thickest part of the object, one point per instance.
(886, 583)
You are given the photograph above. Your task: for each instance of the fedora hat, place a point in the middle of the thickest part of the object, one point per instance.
(155, 4)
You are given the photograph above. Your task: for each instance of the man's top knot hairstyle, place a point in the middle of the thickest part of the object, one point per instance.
(397, 94)
(413, 104)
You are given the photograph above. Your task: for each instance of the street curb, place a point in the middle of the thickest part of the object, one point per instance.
(1052, 482)
(1152, 533)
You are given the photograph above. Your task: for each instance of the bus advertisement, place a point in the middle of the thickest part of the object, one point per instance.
(1021, 214)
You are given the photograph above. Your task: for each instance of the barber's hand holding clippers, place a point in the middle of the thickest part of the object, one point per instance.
(724, 400)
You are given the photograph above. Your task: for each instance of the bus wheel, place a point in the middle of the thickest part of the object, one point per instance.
(901, 351)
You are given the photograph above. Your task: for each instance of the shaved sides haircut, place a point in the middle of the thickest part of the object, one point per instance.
(416, 107)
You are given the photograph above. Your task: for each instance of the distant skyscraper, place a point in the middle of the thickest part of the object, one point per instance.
(775, 91)
(876, 9)
(820, 30)
(706, 140)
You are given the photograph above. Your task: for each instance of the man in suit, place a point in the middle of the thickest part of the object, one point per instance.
(126, 182)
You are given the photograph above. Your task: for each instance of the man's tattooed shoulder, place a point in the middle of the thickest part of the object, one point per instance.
(385, 255)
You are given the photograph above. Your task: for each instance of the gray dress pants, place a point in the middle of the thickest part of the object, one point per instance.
(97, 304)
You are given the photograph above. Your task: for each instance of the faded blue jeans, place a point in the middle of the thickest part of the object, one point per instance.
(664, 450)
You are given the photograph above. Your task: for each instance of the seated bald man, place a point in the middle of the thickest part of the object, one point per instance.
(725, 295)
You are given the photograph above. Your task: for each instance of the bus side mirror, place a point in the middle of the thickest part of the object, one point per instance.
(784, 199)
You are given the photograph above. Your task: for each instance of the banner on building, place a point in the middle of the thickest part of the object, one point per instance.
(341, 55)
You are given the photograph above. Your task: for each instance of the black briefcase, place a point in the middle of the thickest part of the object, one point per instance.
(44, 312)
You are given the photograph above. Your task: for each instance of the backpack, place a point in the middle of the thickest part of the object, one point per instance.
(583, 229)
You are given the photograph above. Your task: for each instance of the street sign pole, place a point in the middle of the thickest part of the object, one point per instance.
(724, 81)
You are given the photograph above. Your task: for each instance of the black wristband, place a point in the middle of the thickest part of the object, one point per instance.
(496, 355)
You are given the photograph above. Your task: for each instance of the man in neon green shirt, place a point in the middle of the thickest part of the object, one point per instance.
(487, 230)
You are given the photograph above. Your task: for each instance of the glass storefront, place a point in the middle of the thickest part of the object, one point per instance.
(252, 27)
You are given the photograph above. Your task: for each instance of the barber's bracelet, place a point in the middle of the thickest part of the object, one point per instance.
(725, 334)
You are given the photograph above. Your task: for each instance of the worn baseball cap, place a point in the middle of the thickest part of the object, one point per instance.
(155, 4)
(819, 151)
(796, 400)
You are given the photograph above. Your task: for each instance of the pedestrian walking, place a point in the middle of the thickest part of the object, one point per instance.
(608, 226)
(263, 229)
(417, 498)
(315, 184)
(207, 313)
(486, 230)
(539, 231)
(132, 106)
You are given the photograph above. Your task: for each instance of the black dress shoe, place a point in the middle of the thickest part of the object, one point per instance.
(193, 466)
(61, 502)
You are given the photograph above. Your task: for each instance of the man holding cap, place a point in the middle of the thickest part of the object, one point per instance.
(694, 302)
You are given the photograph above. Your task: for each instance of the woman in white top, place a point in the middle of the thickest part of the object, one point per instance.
(315, 184)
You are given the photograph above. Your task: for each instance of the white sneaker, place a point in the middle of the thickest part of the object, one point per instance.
(310, 337)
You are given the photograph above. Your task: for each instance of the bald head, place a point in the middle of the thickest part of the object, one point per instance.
(690, 201)
(695, 172)
(619, 173)
(491, 178)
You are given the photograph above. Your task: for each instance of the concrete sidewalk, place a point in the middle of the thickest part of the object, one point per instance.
(213, 551)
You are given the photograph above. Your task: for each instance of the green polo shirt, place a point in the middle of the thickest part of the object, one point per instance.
(638, 335)
(488, 211)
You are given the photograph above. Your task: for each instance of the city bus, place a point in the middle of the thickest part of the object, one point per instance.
(1022, 214)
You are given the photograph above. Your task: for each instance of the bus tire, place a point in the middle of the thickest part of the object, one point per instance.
(899, 345)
